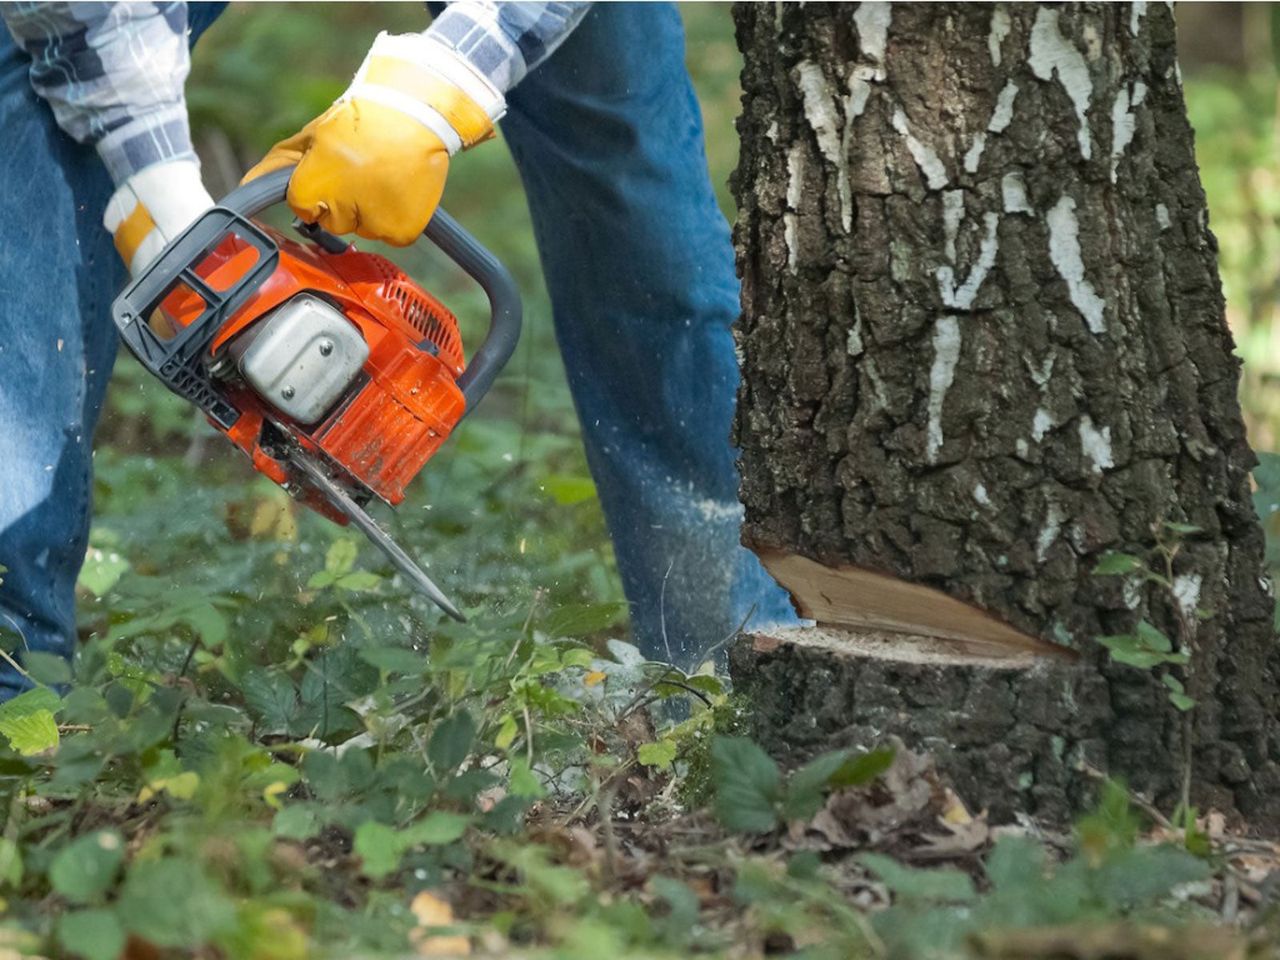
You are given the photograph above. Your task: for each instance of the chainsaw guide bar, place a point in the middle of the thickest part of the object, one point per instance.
(342, 501)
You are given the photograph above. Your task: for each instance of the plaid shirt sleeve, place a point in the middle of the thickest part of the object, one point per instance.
(113, 74)
(504, 41)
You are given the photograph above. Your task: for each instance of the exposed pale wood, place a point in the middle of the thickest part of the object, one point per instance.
(864, 600)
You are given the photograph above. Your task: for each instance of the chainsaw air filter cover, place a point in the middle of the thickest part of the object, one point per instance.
(303, 357)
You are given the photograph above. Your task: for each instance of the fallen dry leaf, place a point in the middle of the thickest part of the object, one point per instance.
(432, 912)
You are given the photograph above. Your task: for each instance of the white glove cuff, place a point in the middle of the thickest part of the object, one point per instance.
(172, 194)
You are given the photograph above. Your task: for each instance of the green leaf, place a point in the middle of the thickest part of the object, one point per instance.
(748, 785)
(658, 754)
(341, 557)
(807, 787)
(1182, 702)
(861, 769)
(1140, 875)
(173, 903)
(47, 668)
(394, 659)
(1183, 529)
(451, 742)
(523, 782)
(84, 870)
(30, 733)
(1128, 649)
(1112, 564)
(296, 822)
(271, 696)
(92, 934)
(943, 885)
(379, 848)
(359, 581)
(436, 828)
(1152, 638)
(10, 863)
(102, 570)
(567, 490)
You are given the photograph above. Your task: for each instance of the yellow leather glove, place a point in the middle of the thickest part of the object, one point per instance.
(375, 162)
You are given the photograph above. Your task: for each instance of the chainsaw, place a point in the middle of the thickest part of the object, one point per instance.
(334, 372)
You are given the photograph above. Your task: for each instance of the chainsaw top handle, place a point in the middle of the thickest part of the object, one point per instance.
(250, 199)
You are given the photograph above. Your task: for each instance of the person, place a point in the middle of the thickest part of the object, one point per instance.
(598, 111)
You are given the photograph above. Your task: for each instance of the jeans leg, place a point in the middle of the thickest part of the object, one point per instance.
(608, 138)
(58, 273)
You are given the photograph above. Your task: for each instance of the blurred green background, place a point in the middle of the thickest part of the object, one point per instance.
(508, 507)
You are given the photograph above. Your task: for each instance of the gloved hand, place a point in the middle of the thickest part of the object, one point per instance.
(375, 162)
(152, 207)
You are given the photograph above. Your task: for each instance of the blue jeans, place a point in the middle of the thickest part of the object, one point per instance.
(608, 139)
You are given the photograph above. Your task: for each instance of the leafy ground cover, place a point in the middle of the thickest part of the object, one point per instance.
(273, 751)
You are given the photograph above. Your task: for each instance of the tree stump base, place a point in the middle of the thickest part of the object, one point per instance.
(1013, 731)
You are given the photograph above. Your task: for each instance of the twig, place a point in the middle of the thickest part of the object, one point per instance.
(1143, 804)
(662, 611)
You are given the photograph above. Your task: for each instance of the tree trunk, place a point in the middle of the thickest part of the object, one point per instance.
(983, 346)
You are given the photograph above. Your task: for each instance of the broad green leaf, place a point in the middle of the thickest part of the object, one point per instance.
(1117, 563)
(862, 768)
(341, 557)
(102, 570)
(359, 581)
(438, 827)
(1153, 638)
(394, 659)
(451, 742)
(270, 694)
(173, 903)
(748, 785)
(92, 934)
(1143, 874)
(10, 863)
(84, 870)
(296, 822)
(30, 733)
(658, 754)
(379, 848)
(567, 490)
(942, 885)
(807, 787)
(523, 782)
(47, 668)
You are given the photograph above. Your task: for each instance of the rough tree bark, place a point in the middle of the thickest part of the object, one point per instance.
(983, 344)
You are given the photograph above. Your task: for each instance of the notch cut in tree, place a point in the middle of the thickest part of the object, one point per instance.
(984, 346)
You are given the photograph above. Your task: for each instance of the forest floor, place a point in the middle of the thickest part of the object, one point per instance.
(273, 751)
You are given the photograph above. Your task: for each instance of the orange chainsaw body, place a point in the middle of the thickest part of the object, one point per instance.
(394, 418)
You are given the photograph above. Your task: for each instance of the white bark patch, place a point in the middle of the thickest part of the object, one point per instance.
(1040, 374)
(1123, 122)
(1064, 251)
(795, 193)
(1053, 55)
(946, 354)
(820, 111)
(1186, 590)
(1137, 10)
(1041, 424)
(999, 30)
(853, 345)
(1002, 115)
(935, 174)
(1162, 216)
(980, 494)
(872, 20)
(1096, 444)
(973, 156)
(1049, 532)
(962, 298)
(952, 214)
(1132, 591)
(1013, 190)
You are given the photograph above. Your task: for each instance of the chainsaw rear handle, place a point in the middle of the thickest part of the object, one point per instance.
(250, 199)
